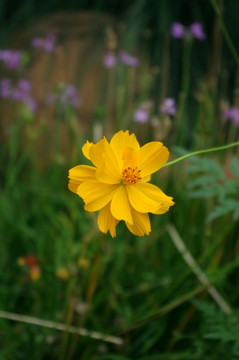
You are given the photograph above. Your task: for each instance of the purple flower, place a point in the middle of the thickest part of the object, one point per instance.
(17, 95)
(141, 116)
(37, 42)
(70, 91)
(69, 96)
(196, 30)
(11, 58)
(64, 96)
(168, 107)
(47, 43)
(24, 85)
(232, 114)
(177, 30)
(5, 88)
(31, 104)
(19, 92)
(128, 59)
(109, 60)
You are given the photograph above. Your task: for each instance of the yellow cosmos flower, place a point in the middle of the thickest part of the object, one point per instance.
(117, 184)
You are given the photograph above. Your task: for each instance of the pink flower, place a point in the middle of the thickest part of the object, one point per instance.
(168, 107)
(177, 30)
(141, 116)
(128, 59)
(11, 58)
(232, 114)
(110, 60)
(47, 43)
(196, 30)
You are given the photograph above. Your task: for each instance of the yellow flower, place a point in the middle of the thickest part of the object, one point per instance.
(62, 273)
(117, 184)
(83, 262)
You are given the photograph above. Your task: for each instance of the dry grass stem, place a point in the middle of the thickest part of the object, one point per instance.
(58, 326)
(178, 242)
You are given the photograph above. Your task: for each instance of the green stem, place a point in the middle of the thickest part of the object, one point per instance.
(225, 32)
(202, 152)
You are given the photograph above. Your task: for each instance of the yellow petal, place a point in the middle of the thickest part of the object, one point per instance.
(122, 140)
(109, 172)
(96, 195)
(120, 206)
(80, 174)
(86, 148)
(106, 221)
(164, 207)
(140, 201)
(145, 178)
(151, 157)
(129, 158)
(156, 194)
(97, 151)
(73, 185)
(141, 224)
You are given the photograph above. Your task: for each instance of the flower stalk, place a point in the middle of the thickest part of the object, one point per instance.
(205, 151)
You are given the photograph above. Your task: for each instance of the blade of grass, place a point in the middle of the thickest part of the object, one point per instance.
(165, 309)
(178, 242)
(59, 326)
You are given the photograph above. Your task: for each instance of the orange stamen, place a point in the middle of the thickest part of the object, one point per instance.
(131, 175)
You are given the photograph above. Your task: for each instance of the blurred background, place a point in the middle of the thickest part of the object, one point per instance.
(83, 69)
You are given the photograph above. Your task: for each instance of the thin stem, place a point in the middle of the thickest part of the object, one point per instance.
(225, 32)
(59, 326)
(178, 242)
(224, 147)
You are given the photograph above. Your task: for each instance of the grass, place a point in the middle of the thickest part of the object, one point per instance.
(146, 292)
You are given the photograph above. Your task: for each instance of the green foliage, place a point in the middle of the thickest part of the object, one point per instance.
(209, 180)
(220, 333)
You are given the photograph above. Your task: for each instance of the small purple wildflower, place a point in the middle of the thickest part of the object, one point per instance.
(232, 114)
(25, 86)
(50, 42)
(196, 30)
(64, 96)
(128, 59)
(69, 96)
(109, 60)
(11, 58)
(47, 43)
(21, 92)
(177, 30)
(31, 104)
(168, 107)
(141, 116)
(37, 42)
(5, 88)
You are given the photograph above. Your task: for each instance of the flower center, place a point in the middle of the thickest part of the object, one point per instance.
(131, 175)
